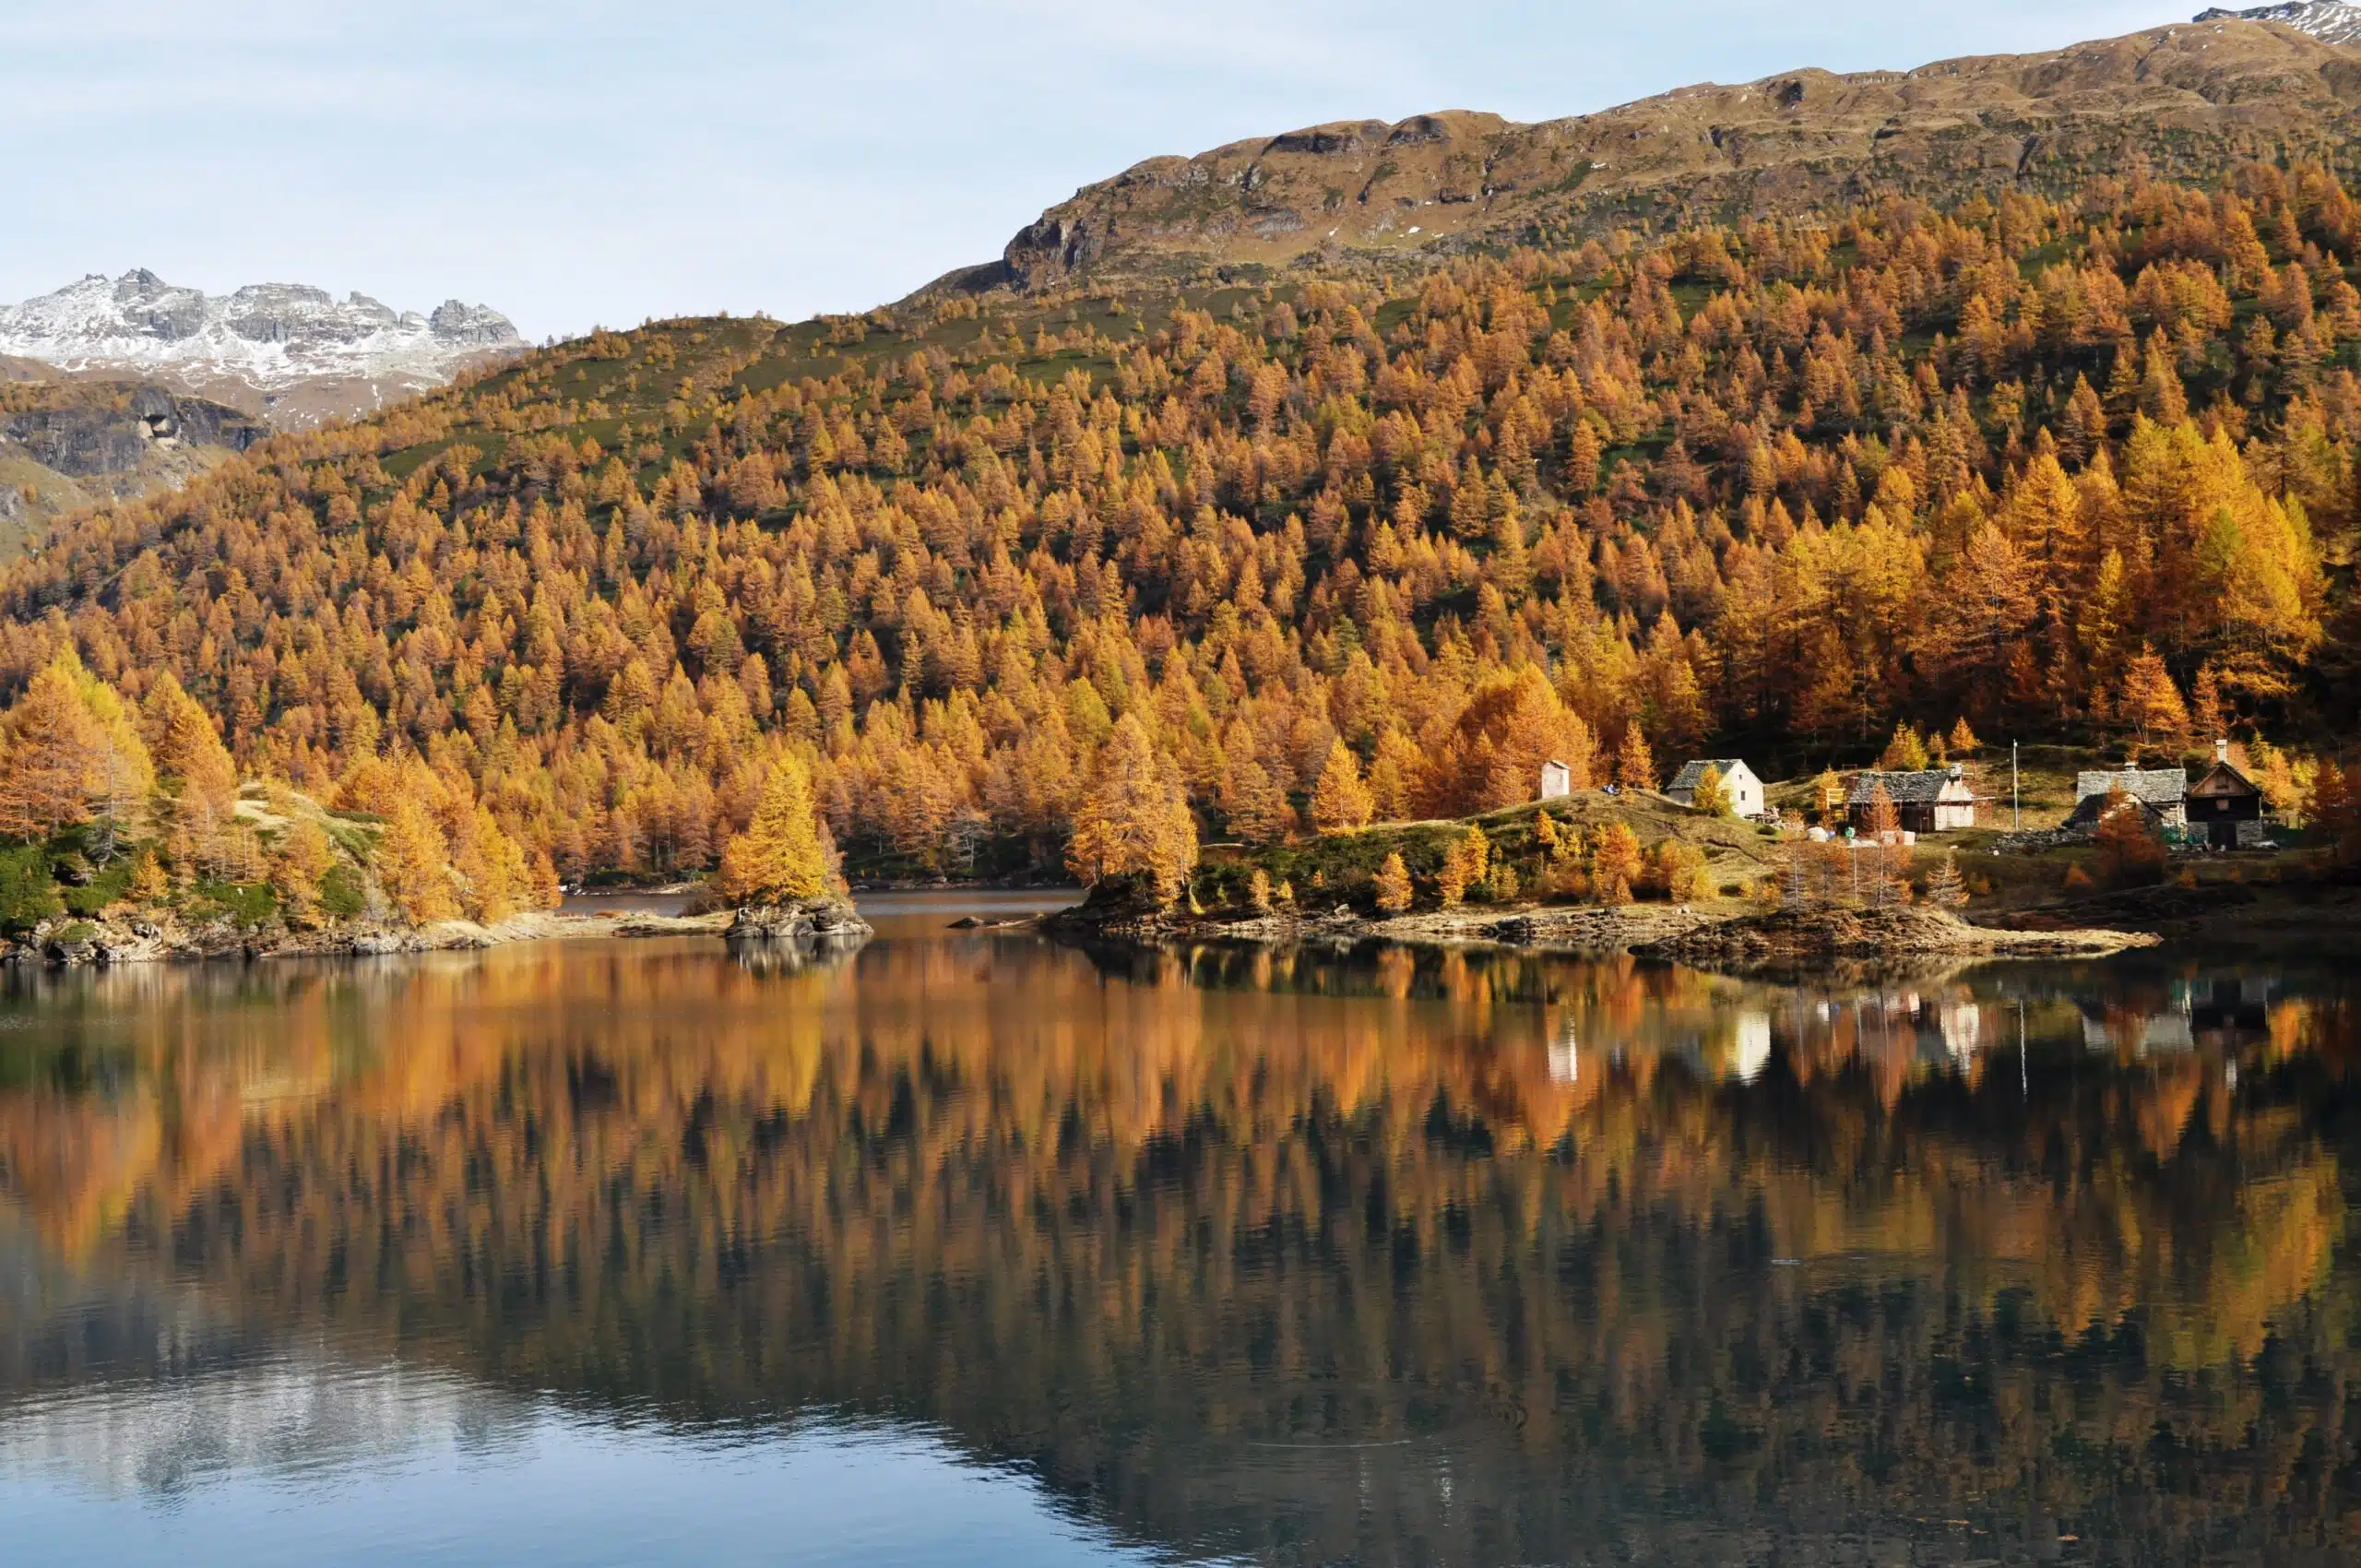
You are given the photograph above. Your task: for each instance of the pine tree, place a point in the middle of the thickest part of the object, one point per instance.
(413, 862)
(2151, 703)
(1906, 753)
(51, 753)
(1134, 819)
(2131, 851)
(782, 857)
(1614, 864)
(1340, 801)
(1394, 886)
(1945, 890)
(1635, 765)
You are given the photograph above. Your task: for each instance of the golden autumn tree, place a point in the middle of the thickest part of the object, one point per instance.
(1394, 892)
(783, 856)
(51, 750)
(1340, 801)
(69, 753)
(1635, 763)
(199, 776)
(1134, 819)
(413, 863)
(1711, 796)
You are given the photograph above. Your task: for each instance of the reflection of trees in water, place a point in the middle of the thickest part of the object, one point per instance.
(793, 955)
(1572, 1236)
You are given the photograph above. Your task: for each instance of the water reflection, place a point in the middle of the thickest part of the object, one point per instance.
(1375, 1255)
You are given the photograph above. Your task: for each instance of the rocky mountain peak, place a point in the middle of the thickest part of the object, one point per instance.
(288, 350)
(2331, 21)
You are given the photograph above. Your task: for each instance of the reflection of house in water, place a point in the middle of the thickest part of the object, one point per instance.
(1753, 1048)
(1565, 1056)
(2217, 1014)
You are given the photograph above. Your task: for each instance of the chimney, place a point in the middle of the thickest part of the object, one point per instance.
(2222, 752)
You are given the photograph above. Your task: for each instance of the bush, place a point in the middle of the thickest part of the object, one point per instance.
(341, 894)
(28, 891)
(249, 904)
(109, 886)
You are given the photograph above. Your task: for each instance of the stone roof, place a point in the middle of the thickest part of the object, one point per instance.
(1693, 773)
(2162, 787)
(1904, 789)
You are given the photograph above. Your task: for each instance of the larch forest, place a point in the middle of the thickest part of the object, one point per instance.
(2083, 471)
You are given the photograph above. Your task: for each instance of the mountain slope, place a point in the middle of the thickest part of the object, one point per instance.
(2180, 102)
(288, 351)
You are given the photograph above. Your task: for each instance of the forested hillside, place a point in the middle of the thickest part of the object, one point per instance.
(2080, 470)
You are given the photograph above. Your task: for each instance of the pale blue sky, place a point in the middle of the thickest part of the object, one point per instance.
(599, 163)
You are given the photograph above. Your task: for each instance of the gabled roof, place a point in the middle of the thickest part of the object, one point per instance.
(1693, 774)
(1904, 789)
(2223, 778)
(2149, 786)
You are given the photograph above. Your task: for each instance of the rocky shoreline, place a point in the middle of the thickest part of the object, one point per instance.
(164, 937)
(1746, 942)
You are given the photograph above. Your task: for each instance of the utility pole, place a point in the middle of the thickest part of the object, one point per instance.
(2016, 796)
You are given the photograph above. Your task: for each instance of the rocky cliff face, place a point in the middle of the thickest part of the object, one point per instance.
(2183, 101)
(293, 353)
(66, 444)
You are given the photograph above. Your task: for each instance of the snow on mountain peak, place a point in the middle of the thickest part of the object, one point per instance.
(271, 337)
(2331, 21)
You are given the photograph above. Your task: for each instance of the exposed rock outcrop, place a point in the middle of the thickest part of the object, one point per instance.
(809, 919)
(2182, 103)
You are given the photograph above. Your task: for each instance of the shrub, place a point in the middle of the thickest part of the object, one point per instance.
(28, 892)
(341, 894)
(249, 904)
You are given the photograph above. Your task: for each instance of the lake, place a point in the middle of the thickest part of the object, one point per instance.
(971, 1248)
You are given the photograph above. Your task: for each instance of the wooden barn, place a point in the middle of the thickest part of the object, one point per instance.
(2226, 804)
(1935, 801)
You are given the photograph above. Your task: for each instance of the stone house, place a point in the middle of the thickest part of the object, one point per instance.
(1937, 800)
(2162, 790)
(1739, 781)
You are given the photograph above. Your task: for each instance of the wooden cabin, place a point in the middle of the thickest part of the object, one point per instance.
(2226, 804)
(1935, 801)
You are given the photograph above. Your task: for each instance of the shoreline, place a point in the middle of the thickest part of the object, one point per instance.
(104, 942)
(1744, 942)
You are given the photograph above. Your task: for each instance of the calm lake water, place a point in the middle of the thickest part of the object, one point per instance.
(968, 1248)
